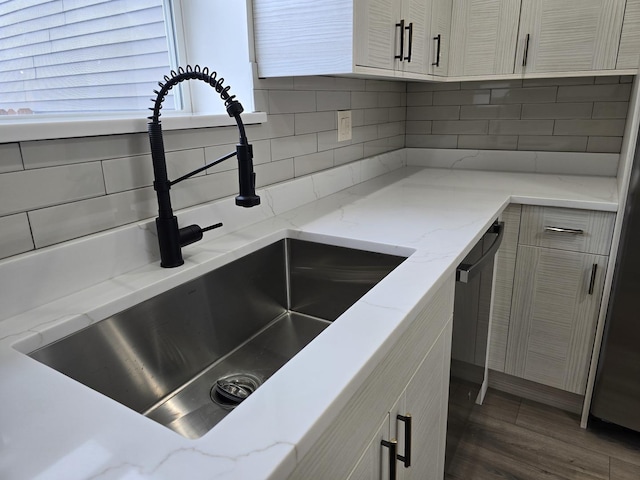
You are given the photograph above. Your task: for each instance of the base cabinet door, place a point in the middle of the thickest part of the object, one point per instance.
(375, 461)
(556, 301)
(425, 399)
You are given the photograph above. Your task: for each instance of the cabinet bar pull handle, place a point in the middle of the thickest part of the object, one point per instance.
(410, 28)
(592, 283)
(438, 41)
(392, 445)
(526, 51)
(571, 231)
(406, 459)
(401, 25)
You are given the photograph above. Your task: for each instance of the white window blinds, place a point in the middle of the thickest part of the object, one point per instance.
(62, 56)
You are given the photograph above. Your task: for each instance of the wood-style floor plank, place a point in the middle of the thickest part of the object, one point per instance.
(522, 445)
(621, 470)
(565, 426)
(542, 443)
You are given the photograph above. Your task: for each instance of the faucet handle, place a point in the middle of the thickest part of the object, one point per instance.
(193, 233)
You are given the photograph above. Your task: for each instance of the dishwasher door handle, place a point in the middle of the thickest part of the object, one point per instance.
(466, 271)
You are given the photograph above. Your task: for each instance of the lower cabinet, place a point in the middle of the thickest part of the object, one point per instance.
(411, 381)
(548, 290)
(556, 301)
(417, 424)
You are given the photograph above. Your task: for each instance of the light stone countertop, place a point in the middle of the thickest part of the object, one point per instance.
(52, 427)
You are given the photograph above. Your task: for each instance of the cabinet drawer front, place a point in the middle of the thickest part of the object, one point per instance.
(567, 229)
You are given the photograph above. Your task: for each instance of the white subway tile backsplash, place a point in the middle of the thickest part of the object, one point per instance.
(445, 112)
(315, 122)
(364, 100)
(329, 140)
(418, 127)
(557, 110)
(364, 134)
(488, 142)
(274, 172)
(448, 127)
(75, 219)
(48, 153)
(432, 141)
(135, 172)
(610, 109)
(16, 235)
(553, 143)
(520, 127)
(384, 86)
(545, 82)
(391, 99)
(30, 189)
(524, 95)
(604, 144)
(328, 83)
(276, 126)
(393, 129)
(418, 99)
(462, 97)
(479, 112)
(283, 101)
(288, 147)
(348, 154)
(604, 128)
(594, 93)
(200, 137)
(314, 162)
(374, 116)
(490, 84)
(10, 158)
(333, 101)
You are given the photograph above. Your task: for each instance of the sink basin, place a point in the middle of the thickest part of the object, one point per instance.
(187, 357)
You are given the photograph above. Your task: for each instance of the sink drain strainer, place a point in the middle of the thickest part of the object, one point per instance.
(230, 391)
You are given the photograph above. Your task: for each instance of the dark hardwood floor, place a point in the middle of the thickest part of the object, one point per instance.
(509, 438)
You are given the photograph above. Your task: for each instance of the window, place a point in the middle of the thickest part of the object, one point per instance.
(75, 58)
(81, 55)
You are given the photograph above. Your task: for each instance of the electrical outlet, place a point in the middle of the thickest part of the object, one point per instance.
(344, 125)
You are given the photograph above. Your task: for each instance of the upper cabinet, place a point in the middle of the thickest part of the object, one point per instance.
(629, 52)
(390, 38)
(568, 35)
(483, 37)
(432, 39)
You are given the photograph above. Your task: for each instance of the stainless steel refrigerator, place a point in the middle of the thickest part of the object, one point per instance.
(617, 389)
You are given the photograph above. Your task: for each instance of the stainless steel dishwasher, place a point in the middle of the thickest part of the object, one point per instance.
(474, 277)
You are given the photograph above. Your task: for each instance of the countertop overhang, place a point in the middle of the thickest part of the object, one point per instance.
(53, 427)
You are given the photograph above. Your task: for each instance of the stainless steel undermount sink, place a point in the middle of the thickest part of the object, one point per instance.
(186, 357)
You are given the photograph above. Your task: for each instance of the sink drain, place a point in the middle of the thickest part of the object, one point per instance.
(231, 390)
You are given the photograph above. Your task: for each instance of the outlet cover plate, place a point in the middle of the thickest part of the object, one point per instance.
(344, 125)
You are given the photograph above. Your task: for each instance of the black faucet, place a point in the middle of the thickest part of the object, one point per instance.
(171, 239)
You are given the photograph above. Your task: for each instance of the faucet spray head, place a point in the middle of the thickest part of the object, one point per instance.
(246, 177)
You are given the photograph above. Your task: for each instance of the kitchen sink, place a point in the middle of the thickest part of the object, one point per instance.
(187, 357)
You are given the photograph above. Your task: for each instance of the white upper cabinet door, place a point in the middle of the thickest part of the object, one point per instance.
(629, 53)
(483, 37)
(440, 37)
(568, 35)
(416, 14)
(377, 33)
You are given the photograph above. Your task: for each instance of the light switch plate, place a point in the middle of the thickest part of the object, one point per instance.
(344, 125)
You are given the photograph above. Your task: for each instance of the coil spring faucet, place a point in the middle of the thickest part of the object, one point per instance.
(171, 239)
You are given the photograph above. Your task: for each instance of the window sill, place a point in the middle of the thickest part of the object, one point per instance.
(38, 128)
